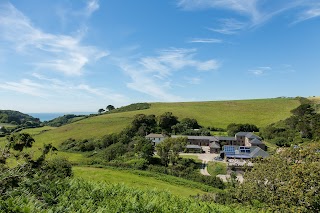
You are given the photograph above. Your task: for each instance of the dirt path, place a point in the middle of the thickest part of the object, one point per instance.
(204, 169)
(205, 157)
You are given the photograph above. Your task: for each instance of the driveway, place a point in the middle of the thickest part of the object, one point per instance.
(205, 157)
(209, 157)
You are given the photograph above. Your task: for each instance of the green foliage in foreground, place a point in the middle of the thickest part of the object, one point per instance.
(286, 182)
(42, 185)
(81, 196)
(143, 180)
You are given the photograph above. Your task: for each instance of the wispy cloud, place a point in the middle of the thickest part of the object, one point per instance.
(204, 40)
(142, 82)
(66, 13)
(230, 26)
(152, 75)
(253, 13)
(59, 53)
(24, 86)
(286, 68)
(259, 71)
(247, 8)
(45, 87)
(174, 59)
(92, 6)
(193, 80)
(274, 70)
(313, 11)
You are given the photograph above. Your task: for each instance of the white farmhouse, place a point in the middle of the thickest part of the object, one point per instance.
(156, 138)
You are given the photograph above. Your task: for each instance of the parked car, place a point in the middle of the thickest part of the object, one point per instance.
(218, 158)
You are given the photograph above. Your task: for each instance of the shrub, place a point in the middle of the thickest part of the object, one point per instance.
(113, 151)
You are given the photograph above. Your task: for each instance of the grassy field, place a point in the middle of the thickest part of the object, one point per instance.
(194, 157)
(217, 168)
(37, 131)
(316, 101)
(7, 125)
(140, 179)
(260, 112)
(216, 113)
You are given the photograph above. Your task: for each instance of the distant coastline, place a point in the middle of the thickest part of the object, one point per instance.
(50, 116)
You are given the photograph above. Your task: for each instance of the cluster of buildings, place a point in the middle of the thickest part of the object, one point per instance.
(243, 145)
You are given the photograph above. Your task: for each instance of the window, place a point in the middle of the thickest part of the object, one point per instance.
(244, 149)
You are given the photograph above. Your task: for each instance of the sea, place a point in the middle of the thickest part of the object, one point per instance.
(50, 116)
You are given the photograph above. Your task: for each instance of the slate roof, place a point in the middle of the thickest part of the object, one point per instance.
(242, 133)
(226, 138)
(258, 152)
(249, 135)
(256, 141)
(214, 145)
(191, 137)
(255, 151)
(193, 147)
(155, 136)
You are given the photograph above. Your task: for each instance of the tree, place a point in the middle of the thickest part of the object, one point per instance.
(190, 123)
(233, 128)
(167, 120)
(20, 141)
(101, 111)
(303, 109)
(3, 129)
(185, 125)
(286, 182)
(113, 151)
(169, 149)
(110, 107)
(143, 147)
(143, 124)
(178, 128)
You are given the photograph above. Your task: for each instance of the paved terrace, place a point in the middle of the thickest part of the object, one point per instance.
(209, 157)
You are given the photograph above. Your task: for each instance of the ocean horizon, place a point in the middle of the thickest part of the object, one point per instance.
(53, 115)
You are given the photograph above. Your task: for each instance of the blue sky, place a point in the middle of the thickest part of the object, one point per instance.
(82, 55)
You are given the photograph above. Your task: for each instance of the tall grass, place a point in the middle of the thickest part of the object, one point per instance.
(143, 180)
(82, 196)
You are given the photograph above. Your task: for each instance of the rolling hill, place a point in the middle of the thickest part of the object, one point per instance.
(260, 112)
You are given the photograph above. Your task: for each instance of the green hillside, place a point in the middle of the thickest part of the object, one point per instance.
(17, 118)
(260, 112)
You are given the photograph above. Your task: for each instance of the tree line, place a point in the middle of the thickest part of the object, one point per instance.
(302, 126)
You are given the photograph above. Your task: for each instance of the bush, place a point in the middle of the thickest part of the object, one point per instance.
(281, 141)
(80, 145)
(113, 151)
(140, 163)
(57, 168)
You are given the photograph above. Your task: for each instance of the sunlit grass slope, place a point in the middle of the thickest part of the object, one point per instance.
(260, 112)
(175, 185)
(215, 113)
